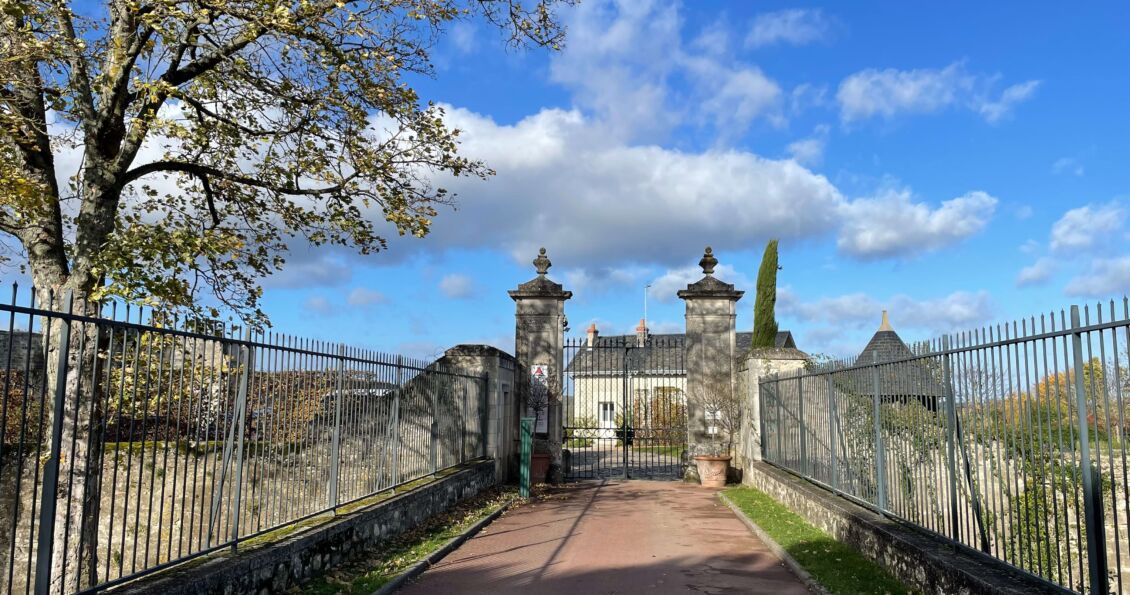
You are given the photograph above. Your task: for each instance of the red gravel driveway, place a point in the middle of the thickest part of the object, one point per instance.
(614, 537)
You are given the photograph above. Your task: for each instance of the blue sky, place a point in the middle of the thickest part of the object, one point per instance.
(958, 164)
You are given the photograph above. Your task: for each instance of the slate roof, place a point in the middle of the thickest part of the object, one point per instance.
(662, 356)
(907, 379)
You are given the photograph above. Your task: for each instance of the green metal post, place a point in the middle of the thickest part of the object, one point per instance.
(524, 465)
(1091, 475)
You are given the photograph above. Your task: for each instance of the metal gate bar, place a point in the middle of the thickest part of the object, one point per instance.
(625, 407)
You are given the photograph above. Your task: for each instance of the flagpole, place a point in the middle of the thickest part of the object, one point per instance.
(645, 288)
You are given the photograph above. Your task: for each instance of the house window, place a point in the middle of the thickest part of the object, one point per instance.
(607, 411)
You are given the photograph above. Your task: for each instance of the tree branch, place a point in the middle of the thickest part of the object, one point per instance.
(200, 171)
(80, 76)
(204, 111)
(117, 67)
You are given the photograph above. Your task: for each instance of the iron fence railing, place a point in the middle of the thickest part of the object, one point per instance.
(132, 442)
(1011, 440)
(625, 406)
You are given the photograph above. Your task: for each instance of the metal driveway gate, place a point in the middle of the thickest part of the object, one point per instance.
(625, 411)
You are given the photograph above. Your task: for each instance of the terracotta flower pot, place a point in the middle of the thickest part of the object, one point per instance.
(712, 470)
(539, 467)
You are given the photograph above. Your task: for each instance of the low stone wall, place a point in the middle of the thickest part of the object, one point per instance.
(282, 565)
(757, 364)
(918, 559)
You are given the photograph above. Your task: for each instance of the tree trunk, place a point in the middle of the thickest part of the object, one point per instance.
(75, 531)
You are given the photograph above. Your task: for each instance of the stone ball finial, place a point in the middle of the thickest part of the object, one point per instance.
(541, 263)
(708, 262)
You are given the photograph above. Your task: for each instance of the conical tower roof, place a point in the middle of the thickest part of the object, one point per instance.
(884, 346)
(908, 379)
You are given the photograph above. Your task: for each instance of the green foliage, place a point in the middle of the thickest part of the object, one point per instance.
(660, 412)
(158, 375)
(1037, 539)
(764, 319)
(839, 568)
(584, 431)
(271, 123)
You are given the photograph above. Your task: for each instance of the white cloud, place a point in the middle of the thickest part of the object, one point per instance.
(596, 281)
(851, 309)
(1087, 226)
(312, 266)
(318, 305)
(1037, 273)
(810, 151)
(1107, 277)
(565, 185)
(457, 286)
(627, 64)
(666, 287)
(1067, 165)
(736, 97)
(617, 62)
(805, 96)
(888, 93)
(891, 225)
(463, 36)
(714, 39)
(995, 111)
(792, 26)
(1029, 247)
(957, 311)
(361, 296)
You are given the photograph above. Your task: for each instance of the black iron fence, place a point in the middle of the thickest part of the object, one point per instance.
(1010, 440)
(132, 441)
(625, 407)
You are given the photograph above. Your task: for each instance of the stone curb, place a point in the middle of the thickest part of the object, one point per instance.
(419, 567)
(810, 582)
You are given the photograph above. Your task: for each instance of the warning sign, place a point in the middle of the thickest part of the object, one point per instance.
(539, 397)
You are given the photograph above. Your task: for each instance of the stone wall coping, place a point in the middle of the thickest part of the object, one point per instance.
(776, 353)
(710, 287)
(540, 287)
(479, 350)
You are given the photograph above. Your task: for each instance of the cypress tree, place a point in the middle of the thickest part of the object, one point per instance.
(764, 320)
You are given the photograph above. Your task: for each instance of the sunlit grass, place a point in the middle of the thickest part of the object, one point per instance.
(839, 568)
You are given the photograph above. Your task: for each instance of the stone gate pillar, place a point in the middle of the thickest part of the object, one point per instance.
(711, 352)
(538, 336)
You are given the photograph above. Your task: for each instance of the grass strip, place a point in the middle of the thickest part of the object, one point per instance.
(836, 566)
(398, 554)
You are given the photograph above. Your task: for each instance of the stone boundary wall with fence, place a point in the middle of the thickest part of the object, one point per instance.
(917, 559)
(280, 565)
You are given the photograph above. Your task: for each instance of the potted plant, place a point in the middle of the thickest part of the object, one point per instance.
(721, 417)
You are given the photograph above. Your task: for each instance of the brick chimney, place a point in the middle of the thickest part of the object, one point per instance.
(592, 334)
(641, 334)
